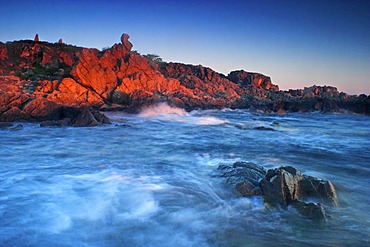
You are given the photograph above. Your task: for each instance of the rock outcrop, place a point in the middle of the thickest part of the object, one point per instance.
(282, 186)
(124, 40)
(247, 79)
(119, 78)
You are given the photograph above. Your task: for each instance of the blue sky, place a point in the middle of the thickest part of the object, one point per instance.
(297, 43)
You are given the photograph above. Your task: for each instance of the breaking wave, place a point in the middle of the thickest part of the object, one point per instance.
(164, 112)
(162, 109)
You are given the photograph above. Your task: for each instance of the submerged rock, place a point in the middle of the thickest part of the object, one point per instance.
(244, 177)
(264, 128)
(313, 211)
(282, 186)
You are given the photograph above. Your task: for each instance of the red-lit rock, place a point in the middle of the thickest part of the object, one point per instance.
(244, 78)
(69, 92)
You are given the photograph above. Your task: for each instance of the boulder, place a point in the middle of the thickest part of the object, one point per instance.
(281, 185)
(244, 177)
(319, 190)
(313, 211)
(284, 186)
(127, 44)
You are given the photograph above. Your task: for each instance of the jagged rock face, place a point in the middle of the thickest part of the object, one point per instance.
(244, 78)
(200, 79)
(69, 92)
(120, 70)
(203, 86)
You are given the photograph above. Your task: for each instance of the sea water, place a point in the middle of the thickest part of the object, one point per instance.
(151, 180)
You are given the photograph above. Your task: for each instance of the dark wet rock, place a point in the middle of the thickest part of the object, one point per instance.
(313, 211)
(244, 177)
(284, 186)
(5, 125)
(264, 128)
(17, 127)
(281, 185)
(287, 184)
(77, 117)
(322, 190)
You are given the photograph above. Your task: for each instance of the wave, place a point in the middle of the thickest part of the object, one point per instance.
(164, 112)
(162, 109)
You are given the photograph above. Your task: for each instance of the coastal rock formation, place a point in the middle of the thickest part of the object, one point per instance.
(282, 186)
(124, 40)
(205, 88)
(119, 78)
(245, 79)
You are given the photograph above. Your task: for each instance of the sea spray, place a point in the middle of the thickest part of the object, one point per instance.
(164, 112)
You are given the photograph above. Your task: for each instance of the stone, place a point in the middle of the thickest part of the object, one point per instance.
(313, 211)
(77, 117)
(322, 190)
(127, 44)
(281, 185)
(287, 184)
(244, 177)
(284, 186)
(5, 125)
(37, 39)
(42, 109)
(264, 128)
(17, 127)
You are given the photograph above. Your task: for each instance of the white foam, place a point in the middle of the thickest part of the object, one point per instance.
(208, 120)
(164, 112)
(162, 109)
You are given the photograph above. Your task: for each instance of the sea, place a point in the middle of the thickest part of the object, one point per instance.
(151, 179)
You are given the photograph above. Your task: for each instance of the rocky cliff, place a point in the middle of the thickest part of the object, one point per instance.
(38, 79)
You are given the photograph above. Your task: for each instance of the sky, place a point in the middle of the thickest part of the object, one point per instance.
(296, 43)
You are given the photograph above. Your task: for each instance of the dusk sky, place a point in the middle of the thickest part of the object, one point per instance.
(296, 43)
